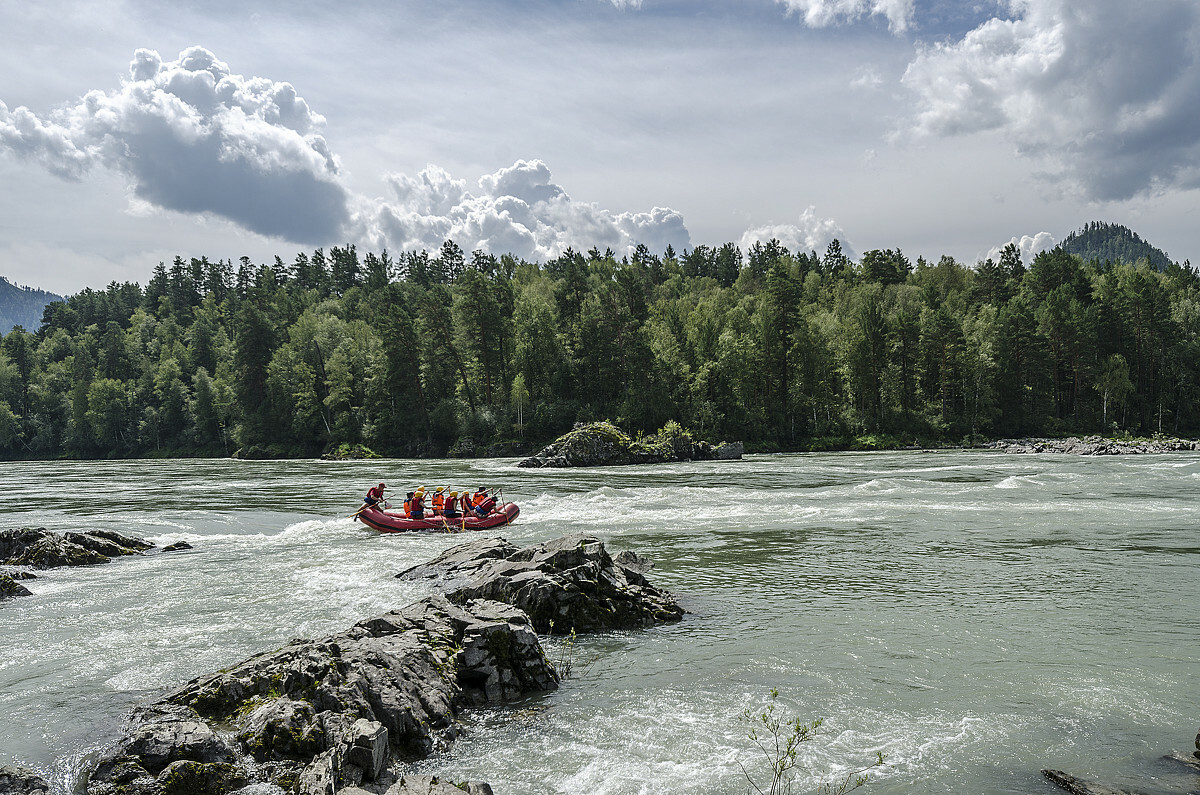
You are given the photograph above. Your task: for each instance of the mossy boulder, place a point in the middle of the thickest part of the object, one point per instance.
(604, 444)
(318, 716)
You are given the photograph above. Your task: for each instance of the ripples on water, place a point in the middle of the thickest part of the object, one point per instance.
(974, 616)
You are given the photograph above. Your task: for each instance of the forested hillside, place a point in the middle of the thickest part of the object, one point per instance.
(1113, 243)
(417, 355)
(22, 306)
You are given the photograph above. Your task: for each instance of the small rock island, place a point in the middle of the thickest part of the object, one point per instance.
(604, 444)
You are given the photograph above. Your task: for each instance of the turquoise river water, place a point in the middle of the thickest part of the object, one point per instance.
(975, 616)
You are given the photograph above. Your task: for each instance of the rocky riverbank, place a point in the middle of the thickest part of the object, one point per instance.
(347, 712)
(604, 444)
(1094, 445)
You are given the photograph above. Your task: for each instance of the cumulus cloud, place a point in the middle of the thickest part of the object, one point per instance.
(812, 233)
(518, 210)
(1029, 247)
(1103, 92)
(822, 13)
(192, 136)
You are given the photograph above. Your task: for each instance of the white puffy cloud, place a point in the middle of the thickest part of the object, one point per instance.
(822, 13)
(812, 233)
(1103, 93)
(1029, 247)
(192, 136)
(518, 210)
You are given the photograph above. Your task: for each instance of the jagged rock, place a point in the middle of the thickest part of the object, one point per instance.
(9, 588)
(177, 546)
(603, 444)
(21, 781)
(317, 716)
(368, 747)
(42, 549)
(569, 583)
(1078, 786)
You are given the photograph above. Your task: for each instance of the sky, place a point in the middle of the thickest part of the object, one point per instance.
(132, 132)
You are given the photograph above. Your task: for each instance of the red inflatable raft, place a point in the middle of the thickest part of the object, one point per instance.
(387, 522)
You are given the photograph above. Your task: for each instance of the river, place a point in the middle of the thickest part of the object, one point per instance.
(974, 616)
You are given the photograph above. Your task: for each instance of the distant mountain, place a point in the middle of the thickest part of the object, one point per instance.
(1113, 243)
(22, 306)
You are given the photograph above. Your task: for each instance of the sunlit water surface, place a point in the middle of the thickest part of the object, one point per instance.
(974, 616)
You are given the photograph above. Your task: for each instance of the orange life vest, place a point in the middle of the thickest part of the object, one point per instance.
(439, 502)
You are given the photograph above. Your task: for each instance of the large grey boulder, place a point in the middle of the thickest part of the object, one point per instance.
(569, 583)
(318, 716)
(43, 549)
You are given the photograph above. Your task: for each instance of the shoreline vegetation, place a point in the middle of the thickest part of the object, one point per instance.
(457, 354)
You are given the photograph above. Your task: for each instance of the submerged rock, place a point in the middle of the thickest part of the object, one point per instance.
(317, 716)
(569, 583)
(21, 781)
(603, 444)
(1078, 786)
(43, 549)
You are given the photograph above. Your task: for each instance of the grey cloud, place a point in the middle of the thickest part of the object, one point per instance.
(193, 137)
(1103, 93)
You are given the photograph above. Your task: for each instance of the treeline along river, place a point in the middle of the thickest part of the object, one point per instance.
(975, 616)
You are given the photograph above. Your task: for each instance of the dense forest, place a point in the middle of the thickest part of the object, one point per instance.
(22, 306)
(449, 353)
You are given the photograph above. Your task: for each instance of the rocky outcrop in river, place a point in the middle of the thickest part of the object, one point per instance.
(20, 781)
(9, 587)
(43, 549)
(570, 583)
(1094, 445)
(603, 444)
(319, 717)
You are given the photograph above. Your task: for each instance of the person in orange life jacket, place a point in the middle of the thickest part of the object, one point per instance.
(450, 509)
(439, 501)
(416, 509)
(407, 504)
(477, 500)
(374, 495)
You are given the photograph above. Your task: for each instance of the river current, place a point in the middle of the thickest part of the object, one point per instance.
(974, 616)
